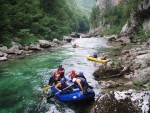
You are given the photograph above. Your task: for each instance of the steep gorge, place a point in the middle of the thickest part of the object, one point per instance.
(122, 17)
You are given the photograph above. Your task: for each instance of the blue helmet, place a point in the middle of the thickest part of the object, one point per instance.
(62, 80)
(81, 73)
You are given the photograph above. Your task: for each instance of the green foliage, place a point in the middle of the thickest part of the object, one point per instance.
(112, 30)
(141, 34)
(138, 84)
(147, 62)
(26, 21)
(85, 6)
(22, 34)
(95, 17)
(115, 16)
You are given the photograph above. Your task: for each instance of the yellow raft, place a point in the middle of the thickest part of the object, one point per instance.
(96, 59)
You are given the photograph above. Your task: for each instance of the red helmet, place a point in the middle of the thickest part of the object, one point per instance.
(73, 71)
(54, 73)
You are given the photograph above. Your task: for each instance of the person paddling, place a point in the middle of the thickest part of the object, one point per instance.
(95, 54)
(81, 75)
(62, 85)
(61, 71)
(82, 84)
(54, 78)
(104, 57)
(73, 74)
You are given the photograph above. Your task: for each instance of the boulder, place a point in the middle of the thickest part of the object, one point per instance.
(35, 47)
(26, 48)
(111, 38)
(54, 45)
(108, 84)
(67, 38)
(1, 54)
(4, 49)
(15, 50)
(56, 41)
(16, 44)
(44, 43)
(114, 102)
(103, 73)
(87, 36)
(124, 39)
(75, 35)
(4, 58)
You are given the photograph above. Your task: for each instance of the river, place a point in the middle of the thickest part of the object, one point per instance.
(22, 78)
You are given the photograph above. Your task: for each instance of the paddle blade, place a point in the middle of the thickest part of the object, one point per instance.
(45, 88)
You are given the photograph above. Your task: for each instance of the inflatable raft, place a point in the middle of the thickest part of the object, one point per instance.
(96, 59)
(74, 96)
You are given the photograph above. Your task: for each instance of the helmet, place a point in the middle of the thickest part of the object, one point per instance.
(94, 51)
(74, 79)
(54, 73)
(60, 65)
(81, 73)
(73, 71)
(62, 80)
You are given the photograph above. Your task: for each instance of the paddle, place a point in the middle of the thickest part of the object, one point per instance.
(46, 88)
(59, 92)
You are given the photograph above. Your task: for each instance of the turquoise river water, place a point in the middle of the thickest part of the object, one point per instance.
(21, 79)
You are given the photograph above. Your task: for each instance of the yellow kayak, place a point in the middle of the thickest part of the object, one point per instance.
(97, 59)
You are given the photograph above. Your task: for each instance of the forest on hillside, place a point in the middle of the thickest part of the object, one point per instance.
(26, 21)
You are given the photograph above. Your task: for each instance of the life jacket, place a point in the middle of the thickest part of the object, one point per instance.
(63, 86)
(58, 77)
(95, 55)
(72, 75)
(60, 70)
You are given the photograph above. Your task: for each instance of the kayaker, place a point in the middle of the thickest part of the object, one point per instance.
(81, 75)
(73, 74)
(104, 56)
(61, 71)
(62, 85)
(82, 84)
(95, 54)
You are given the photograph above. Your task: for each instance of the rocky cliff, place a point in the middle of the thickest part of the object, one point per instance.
(136, 18)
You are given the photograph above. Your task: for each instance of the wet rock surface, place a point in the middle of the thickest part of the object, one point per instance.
(129, 101)
(110, 72)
